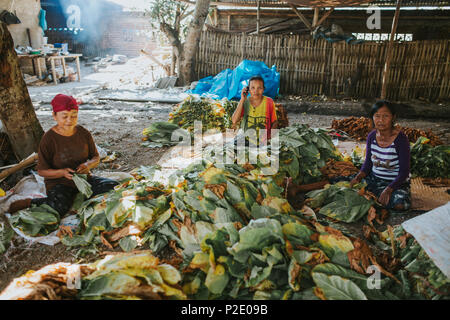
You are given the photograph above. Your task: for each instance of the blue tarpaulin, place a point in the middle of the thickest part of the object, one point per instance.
(229, 83)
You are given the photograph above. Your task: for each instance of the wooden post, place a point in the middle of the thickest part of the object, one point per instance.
(78, 69)
(52, 61)
(316, 17)
(63, 62)
(243, 43)
(229, 22)
(258, 7)
(387, 64)
(39, 68)
(216, 17)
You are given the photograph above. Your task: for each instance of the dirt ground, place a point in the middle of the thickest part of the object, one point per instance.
(117, 127)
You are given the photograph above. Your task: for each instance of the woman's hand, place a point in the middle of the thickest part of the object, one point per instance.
(357, 179)
(67, 173)
(385, 196)
(244, 93)
(83, 168)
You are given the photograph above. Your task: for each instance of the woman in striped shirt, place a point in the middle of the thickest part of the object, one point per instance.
(387, 164)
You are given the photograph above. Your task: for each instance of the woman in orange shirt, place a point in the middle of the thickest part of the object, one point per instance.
(258, 111)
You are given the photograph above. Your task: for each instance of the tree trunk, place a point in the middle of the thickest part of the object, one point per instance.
(187, 59)
(16, 110)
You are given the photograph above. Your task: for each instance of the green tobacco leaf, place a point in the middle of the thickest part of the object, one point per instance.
(217, 279)
(256, 235)
(147, 172)
(302, 256)
(262, 211)
(6, 234)
(234, 193)
(142, 215)
(359, 279)
(337, 288)
(83, 186)
(347, 206)
(297, 233)
(169, 274)
(113, 283)
(128, 243)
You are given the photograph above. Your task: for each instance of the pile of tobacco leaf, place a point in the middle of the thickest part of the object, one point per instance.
(120, 276)
(159, 134)
(228, 232)
(214, 114)
(428, 161)
(42, 220)
(359, 128)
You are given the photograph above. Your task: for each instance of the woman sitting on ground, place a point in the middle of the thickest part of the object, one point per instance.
(65, 149)
(258, 112)
(387, 164)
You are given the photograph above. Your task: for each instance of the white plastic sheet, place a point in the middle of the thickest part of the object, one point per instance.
(31, 186)
(432, 232)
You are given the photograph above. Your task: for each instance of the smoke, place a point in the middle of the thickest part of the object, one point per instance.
(88, 17)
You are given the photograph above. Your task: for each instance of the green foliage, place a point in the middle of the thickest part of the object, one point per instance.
(340, 202)
(83, 186)
(428, 161)
(6, 234)
(36, 221)
(173, 13)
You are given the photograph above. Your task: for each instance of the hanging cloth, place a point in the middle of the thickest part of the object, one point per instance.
(42, 21)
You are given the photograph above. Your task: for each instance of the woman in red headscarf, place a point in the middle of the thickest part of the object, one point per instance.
(65, 149)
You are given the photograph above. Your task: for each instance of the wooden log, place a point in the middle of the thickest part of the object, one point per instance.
(29, 161)
(316, 17)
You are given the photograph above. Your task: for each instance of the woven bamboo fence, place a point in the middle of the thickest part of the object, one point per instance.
(308, 67)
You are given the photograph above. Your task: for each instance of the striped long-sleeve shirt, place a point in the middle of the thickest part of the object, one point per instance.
(391, 163)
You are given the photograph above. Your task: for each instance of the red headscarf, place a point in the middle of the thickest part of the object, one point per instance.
(62, 102)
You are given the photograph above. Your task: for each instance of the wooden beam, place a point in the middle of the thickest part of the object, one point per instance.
(316, 17)
(324, 17)
(302, 17)
(262, 28)
(387, 64)
(216, 17)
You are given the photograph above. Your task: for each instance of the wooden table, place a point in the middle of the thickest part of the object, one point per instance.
(52, 61)
(63, 62)
(33, 57)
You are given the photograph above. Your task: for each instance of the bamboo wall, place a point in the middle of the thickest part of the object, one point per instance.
(308, 67)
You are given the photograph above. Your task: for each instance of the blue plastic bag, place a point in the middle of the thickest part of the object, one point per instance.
(229, 83)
